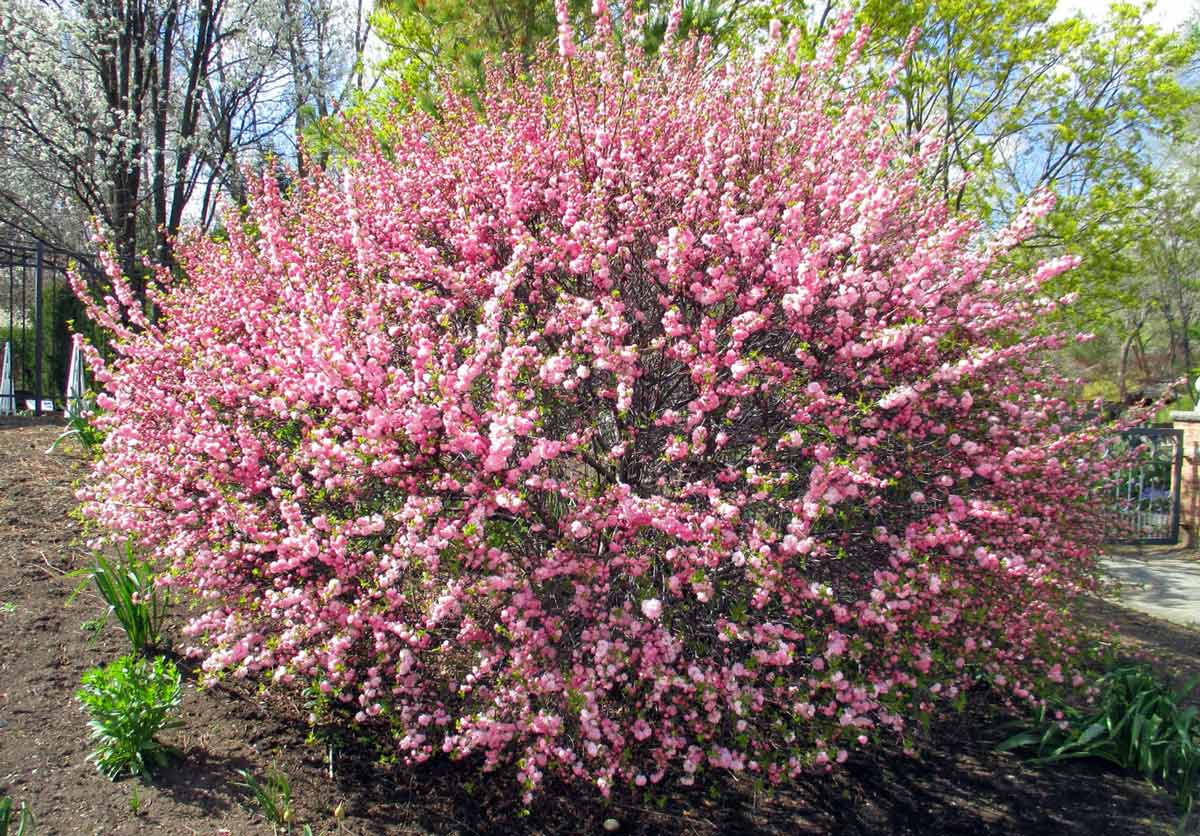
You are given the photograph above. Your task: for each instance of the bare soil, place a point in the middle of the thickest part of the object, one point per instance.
(957, 783)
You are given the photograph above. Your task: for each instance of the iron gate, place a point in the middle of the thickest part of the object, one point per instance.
(1148, 493)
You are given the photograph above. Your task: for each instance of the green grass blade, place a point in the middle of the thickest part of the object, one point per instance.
(1023, 740)
(26, 824)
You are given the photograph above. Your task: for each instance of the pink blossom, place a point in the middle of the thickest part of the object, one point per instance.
(425, 433)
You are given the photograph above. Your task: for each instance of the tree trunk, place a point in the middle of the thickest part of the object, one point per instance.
(1123, 373)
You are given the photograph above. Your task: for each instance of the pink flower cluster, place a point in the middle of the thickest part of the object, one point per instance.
(660, 419)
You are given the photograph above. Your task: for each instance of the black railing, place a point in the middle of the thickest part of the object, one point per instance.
(36, 307)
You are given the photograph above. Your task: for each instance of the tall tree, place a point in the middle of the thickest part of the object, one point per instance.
(140, 113)
(324, 44)
(1168, 261)
(1021, 98)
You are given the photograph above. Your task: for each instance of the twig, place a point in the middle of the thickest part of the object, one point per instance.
(46, 560)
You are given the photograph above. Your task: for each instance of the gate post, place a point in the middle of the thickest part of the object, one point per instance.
(1189, 484)
(39, 338)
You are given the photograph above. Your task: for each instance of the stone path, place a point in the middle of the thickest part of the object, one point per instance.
(1164, 583)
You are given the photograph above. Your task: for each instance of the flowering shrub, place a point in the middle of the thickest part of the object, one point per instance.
(660, 419)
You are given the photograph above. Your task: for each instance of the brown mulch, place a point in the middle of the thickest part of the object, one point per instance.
(957, 784)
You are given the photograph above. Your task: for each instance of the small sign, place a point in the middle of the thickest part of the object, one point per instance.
(31, 405)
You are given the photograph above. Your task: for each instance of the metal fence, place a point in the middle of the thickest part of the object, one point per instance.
(36, 309)
(1148, 493)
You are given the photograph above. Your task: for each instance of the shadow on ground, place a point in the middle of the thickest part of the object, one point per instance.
(957, 784)
(1162, 582)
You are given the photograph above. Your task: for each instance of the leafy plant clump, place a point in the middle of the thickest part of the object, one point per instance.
(1137, 723)
(82, 427)
(273, 796)
(636, 420)
(127, 585)
(131, 701)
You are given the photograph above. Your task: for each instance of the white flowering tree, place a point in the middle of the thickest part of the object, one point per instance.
(141, 113)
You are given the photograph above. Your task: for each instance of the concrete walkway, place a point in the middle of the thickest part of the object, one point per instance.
(1162, 582)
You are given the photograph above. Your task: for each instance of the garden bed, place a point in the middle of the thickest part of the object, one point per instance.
(955, 784)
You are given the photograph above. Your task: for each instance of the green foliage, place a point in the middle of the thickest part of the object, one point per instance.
(82, 427)
(25, 823)
(1022, 99)
(128, 588)
(730, 25)
(1138, 723)
(432, 42)
(437, 47)
(23, 356)
(1103, 389)
(130, 701)
(59, 307)
(273, 795)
